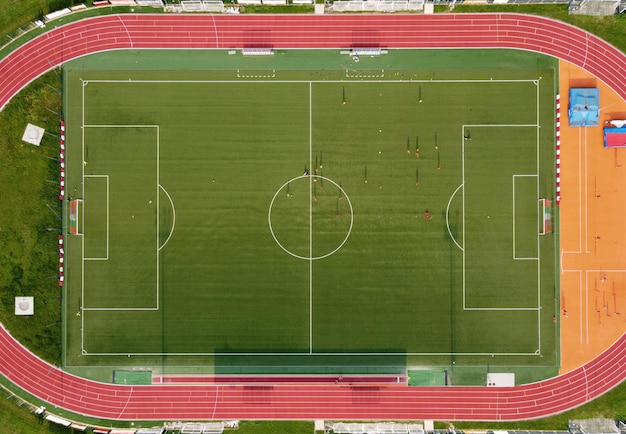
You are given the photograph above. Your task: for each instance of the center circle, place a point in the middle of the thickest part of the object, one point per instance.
(310, 217)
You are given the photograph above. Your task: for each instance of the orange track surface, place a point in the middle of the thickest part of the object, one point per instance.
(593, 243)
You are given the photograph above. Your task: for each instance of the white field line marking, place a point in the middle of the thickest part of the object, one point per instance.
(309, 81)
(217, 395)
(585, 196)
(122, 126)
(513, 219)
(354, 73)
(173, 216)
(156, 235)
(581, 158)
(538, 171)
(448, 216)
(260, 75)
(586, 51)
(114, 309)
(82, 249)
(586, 383)
(306, 81)
(512, 309)
(533, 353)
(463, 212)
(538, 308)
(127, 401)
(217, 39)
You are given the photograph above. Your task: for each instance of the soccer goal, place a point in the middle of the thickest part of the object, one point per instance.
(546, 213)
(76, 207)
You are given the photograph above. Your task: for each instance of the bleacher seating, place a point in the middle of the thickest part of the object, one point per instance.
(202, 5)
(202, 428)
(377, 428)
(361, 51)
(257, 51)
(155, 3)
(378, 5)
(595, 7)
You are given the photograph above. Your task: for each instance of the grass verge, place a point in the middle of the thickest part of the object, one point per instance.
(30, 217)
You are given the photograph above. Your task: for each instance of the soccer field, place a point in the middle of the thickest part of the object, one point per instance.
(271, 215)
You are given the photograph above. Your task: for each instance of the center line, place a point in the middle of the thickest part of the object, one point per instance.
(310, 221)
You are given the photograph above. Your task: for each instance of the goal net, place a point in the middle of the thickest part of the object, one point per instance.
(546, 214)
(76, 207)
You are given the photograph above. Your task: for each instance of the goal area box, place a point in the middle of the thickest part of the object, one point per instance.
(76, 211)
(545, 212)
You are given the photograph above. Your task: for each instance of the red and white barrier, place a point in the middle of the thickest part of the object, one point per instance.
(558, 149)
(61, 254)
(62, 158)
(61, 197)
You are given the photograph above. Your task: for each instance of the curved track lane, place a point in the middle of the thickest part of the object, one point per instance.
(289, 401)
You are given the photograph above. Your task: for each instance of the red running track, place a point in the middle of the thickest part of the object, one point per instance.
(309, 31)
(289, 401)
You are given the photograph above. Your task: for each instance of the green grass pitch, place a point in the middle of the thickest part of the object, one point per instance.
(273, 213)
